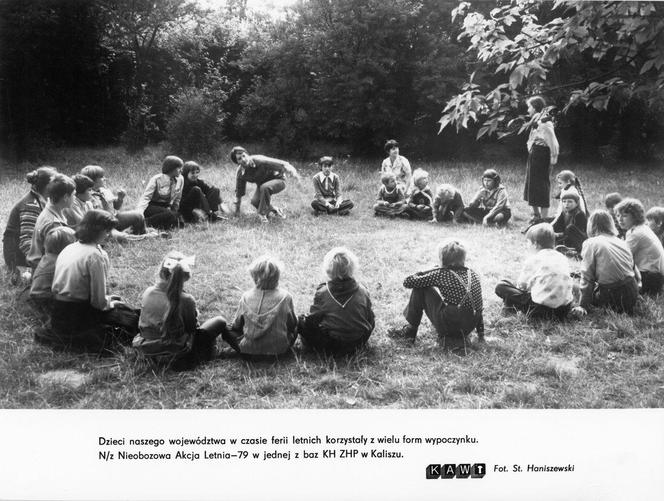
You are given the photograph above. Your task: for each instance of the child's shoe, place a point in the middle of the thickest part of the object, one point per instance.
(277, 213)
(406, 333)
(344, 212)
(263, 219)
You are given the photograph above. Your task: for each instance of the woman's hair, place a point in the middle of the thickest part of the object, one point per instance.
(59, 238)
(419, 174)
(83, 183)
(340, 263)
(326, 161)
(566, 176)
(189, 167)
(265, 272)
(60, 186)
(39, 178)
(235, 151)
(493, 175)
(634, 208)
(656, 214)
(175, 275)
(542, 235)
(94, 172)
(537, 102)
(392, 143)
(600, 222)
(446, 192)
(170, 163)
(612, 199)
(386, 176)
(452, 253)
(94, 223)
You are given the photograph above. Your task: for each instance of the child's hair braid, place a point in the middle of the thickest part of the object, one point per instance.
(577, 184)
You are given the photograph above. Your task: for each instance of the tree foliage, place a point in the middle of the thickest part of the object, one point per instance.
(604, 55)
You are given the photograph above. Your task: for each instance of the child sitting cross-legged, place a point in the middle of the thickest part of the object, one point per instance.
(328, 191)
(447, 204)
(341, 318)
(421, 198)
(570, 225)
(450, 295)
(391, 197)
(544, 287)
(169, 332)
(490, 204)
(265, 321)
(655, 220)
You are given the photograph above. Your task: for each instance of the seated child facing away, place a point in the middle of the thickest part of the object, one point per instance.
(544, 287)
(421, 198)
(391, 197)
(645, 245)
(341, 318)
(451, 297)
(42, 278)
(168, 328)
(568, 182)
(655, 220)
(265, 321)
(447, 205)
(608, 275)
(610, 201)
(327, 189)
(490, 204)
(570, 225)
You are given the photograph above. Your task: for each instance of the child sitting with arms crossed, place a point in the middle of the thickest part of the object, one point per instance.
(341, 318)
(328, 192)
(421, 198)
(447, 205)
(570, 225)
(169, 332)
(490, 204)
(655, 220)
(450, 295)
(391, 197)
(544, 287)
(265, 321)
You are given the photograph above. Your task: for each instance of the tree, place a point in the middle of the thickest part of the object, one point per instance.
(607, 56)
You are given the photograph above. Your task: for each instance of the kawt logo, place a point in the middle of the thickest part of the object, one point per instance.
(463, 470)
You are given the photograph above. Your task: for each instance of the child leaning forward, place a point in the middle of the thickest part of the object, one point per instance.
(447, 205)
(265, 321)
(341, 318)
(544, 288)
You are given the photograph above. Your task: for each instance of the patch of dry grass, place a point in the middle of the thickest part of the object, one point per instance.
(607, 360)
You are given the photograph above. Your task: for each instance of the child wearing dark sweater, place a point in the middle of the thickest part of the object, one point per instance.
(570, 225)
(327, 189)
(421, 198)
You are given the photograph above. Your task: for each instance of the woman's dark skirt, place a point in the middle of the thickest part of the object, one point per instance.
(538, 185)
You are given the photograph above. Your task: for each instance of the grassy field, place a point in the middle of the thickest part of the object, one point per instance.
(604, 361)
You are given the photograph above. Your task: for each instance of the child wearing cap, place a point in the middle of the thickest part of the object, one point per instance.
(421, 198)
(327, 198)
(490, 204)
(570, 225)
(544, 287)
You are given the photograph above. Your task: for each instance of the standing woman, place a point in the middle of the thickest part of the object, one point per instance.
(542, 154)
(22, 218)
(269, 176)
(161, 199)
(397, 165)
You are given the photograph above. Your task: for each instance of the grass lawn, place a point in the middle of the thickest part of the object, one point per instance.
(604, 361)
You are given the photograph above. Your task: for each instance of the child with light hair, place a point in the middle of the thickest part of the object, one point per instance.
(645, 245)
(608, 275)
(327, 187)
(265, 321)
(421, 198)
(544, 288)
(451, 297)
(447, 204)
(655, 220)
(391, 197)
(341, 317)
(568, 182)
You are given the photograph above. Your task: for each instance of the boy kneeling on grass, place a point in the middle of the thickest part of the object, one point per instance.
(450, 295)
(544, 287)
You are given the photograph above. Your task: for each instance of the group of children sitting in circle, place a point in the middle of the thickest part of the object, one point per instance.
(61, 240)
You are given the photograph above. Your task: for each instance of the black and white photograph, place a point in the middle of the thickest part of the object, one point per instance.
(335, 223)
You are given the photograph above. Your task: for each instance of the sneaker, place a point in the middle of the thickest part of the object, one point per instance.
(278, 213)
(406, 333)
(344, 212)
(215, 216)
(263, 219)
(198, 216)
